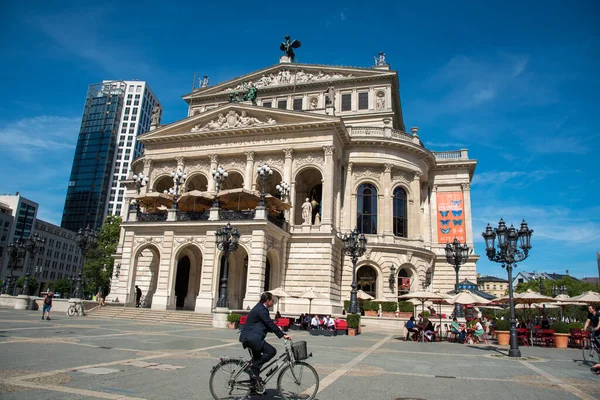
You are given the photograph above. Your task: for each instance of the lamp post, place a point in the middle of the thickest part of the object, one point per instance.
(427, 280)
(85, 240)
(140, 181)
(227, 241)
(456, 255)
(15, 251)
(283, 189)
(219, 176)
(541, 284)
(179, 178)
(559, 290)
(508, 254)
(392, 278)
(33, 245)
(354, 246)
(264, 172)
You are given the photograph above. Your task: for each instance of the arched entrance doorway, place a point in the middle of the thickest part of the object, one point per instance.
(145, 274)
(237, 276)
(405, 279)
(234, 180)
(308, 184)
(163, 183)
(197, 182)
(182, 281)
(366, 278)
(185, 280)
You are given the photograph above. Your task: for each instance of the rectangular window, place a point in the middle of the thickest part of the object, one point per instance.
(268, 104)
(347, 102)
(282, 104)
(297, 105)
(363, 101)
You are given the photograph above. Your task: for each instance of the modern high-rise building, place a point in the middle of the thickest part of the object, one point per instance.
(115, 113)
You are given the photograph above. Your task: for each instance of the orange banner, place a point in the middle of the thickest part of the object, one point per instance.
(450, 217)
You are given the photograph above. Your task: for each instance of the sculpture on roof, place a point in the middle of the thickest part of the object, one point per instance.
(288, 47)
(380, 60)
(204, 82)
(251, 93)
(155, 118)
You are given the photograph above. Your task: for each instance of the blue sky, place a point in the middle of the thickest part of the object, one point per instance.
(516, 83)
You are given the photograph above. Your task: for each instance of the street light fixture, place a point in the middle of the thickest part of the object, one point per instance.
(219, 176)
(427, 280)
(508, 254)
(227, 240)
(33, 245)
(179, 178)
(15, 251)
(456, 255)
(86, 240)
(556, 290)
(140, 181)
(354, 246)
(264, 172)
(392, 278)
(283, 189)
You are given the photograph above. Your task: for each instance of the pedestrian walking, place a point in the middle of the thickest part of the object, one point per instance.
(47, 304)
(138, 295)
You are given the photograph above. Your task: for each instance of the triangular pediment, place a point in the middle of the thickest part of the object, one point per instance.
(285, 75)
(234, 117)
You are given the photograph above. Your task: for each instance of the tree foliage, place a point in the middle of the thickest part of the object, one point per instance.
(574, 286)
(34, 285)
(98, 267)
(62, 286)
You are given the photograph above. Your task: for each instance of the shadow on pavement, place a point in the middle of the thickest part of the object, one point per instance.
(488, 348)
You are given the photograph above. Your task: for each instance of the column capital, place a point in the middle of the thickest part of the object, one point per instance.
(387, 168)
(214, 158)
(328, 150)
(147, 162)
(180, 160)
(465, 186)
(435, 188)
(418, 175)
(350, 167)
(249, 155)
(288, 153)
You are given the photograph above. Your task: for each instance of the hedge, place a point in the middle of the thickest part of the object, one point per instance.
(387, 306)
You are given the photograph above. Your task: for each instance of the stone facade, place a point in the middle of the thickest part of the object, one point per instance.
(352, 159)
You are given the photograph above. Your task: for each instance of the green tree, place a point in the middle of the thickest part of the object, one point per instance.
(34, 285)
(98, 267)
(574, 286)
(62, 286)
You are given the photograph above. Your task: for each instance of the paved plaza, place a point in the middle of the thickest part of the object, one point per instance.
(98, 358)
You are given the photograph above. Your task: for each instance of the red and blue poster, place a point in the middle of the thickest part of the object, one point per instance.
(450, 217)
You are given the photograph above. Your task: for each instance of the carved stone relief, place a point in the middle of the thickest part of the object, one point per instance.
(200, 241)
(401, 176)
(380, 101)
(163, 168)
(234, 162)
(197, 165)
(366, 172)
(287, 77)
(149, 239)
(270, 159)
(232, 120)
(309, 158)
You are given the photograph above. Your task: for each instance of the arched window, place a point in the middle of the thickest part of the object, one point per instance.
(366, 279)
(400, 212)
(367, 208)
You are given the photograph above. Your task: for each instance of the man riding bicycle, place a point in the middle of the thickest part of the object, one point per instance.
(593, 321)
(258, 324)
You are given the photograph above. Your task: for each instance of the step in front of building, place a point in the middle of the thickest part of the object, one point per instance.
(149, 315)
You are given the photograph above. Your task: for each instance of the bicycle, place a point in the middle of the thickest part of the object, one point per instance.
(143, 302)
(591, 353)
(230, 378)
(72, 310)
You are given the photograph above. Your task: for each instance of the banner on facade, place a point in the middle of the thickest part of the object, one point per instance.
(450, 217)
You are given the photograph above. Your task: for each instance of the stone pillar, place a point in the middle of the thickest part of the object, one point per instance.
(327, 193)
(147, 171)
(209, 280)
(214, 159)
(249, 170)
(433, 215)
(287, 166)
(350, 197)
(466, 189)
(256, 271)
(416, 220)
(180, 163)
(160, 298)
(387, 217)
(294, 203)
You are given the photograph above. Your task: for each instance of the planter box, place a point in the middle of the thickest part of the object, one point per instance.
(503, 337)
(352, 332)
(389, 314)
(370, 313)
(232, 325)
(405, 314)
(561, 340)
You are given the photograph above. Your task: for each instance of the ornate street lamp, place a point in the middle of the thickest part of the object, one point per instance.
(179, 178)
(117, 271)
(140, 181)
(86, 240)
(15, 251)
(354, 247)
(456, 255)
(508, 254)
(392, 278)
(283, 189)
(427, 280)
(264, 172)
(33, 245)
(556, 290)
(219, 176)
(227, 240)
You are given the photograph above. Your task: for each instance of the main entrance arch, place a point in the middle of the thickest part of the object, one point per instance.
(145, 274)
(237, 276)
(185, 279)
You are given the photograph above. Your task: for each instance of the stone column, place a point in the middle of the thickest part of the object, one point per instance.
(160, 298)
(416, 220)
(256, 271)
(466, 189)
(293, 202)
(214, 159)
(349, 197)
(433, 215)
(209, 280)
(287, 166)
(249, 170)
(327, 193)
(147, 170)
(387, 217)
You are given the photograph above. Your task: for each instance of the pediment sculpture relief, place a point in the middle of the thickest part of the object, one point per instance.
(232, 120)
(285, 77)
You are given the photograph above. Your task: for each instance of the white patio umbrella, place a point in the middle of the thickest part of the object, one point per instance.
(363, 295)
(467, 297)
(310, 295)
(587, 297)
(278, 292)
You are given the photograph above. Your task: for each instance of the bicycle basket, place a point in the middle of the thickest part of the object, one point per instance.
(300, 351)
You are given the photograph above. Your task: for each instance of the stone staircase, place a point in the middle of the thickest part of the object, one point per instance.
(154, 316)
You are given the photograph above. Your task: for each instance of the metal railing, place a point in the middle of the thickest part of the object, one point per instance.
(237, 214)
(280, 222)
(192, 216)
(151, 217)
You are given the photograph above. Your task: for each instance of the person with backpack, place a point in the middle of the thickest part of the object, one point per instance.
(47, 304)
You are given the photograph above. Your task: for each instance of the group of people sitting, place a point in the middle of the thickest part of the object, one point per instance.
(424, 329)
(316, 322)
(464, 334)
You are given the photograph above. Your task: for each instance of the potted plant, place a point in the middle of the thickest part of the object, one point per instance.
(370, 308)
(233, 320)
(502, 331)
(353, 324)
(389, 308)
(405, 309)
(561, 334)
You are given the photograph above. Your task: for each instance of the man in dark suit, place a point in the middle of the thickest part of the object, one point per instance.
(258, 324)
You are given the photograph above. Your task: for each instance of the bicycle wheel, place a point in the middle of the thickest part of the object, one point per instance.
(71, 311)
(590, 353)
(298, 381)
(223, 386)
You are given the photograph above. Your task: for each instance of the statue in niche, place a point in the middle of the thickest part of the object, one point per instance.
(380, 104)
(330, 93)
(307, 212)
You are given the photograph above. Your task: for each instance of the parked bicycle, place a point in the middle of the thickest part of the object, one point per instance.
(143, 302)
(591, 353)
(76, 308)
(230, 378)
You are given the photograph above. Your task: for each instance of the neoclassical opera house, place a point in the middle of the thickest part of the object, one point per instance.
(337, 137)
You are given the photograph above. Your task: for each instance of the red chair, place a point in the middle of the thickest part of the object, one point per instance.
(523, 336)
(284, 323)
(576, 338)
(341, 327)
(243, 320)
